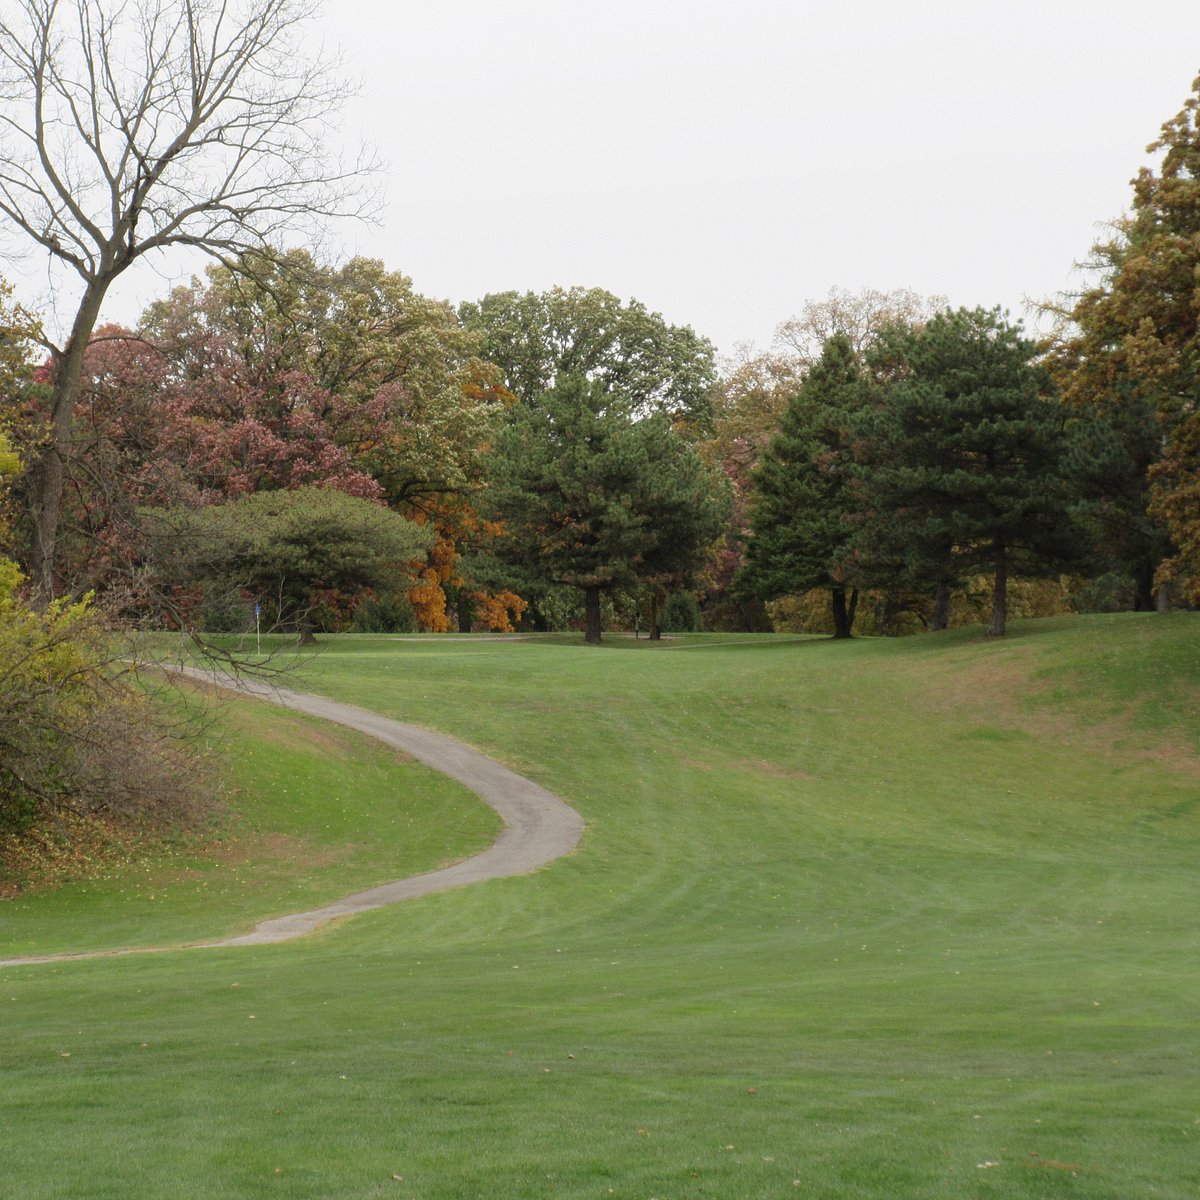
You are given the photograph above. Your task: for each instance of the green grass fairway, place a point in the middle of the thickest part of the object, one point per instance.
(886, 919)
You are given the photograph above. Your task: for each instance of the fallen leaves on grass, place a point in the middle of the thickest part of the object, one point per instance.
(75, 846)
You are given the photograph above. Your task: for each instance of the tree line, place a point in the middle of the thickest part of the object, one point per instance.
(228, 452)
(896, 448)
(887, 447)
(340, 393)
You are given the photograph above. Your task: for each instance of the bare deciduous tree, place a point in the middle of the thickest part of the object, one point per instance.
(859, 316)
(131, 128)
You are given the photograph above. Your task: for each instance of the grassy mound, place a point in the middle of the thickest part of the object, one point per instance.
(879, 919)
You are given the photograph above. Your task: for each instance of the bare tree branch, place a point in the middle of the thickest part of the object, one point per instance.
(131, 130)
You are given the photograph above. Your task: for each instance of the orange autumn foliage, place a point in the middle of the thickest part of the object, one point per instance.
(427, 595)
(429, 602)
(500, 612)
(482, 382)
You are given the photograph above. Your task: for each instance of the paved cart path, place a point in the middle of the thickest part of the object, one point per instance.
(538, 826)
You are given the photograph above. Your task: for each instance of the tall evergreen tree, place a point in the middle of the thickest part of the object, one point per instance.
(1115, 443)
(966, 455)
(801, 532)
(596, 497)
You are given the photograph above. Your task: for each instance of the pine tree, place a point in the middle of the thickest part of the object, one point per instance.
(965, 464)
(595, 497)
(1114, 445)
(800, 520)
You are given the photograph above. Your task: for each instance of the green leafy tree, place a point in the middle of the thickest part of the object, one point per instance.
(285, 549)
(966, 456)
(801, 527)
(538, 339)
(594, 496)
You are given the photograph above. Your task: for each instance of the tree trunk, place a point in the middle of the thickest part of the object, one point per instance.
(1162, 599)
(889, 616)
(464, 617)
(591, 607)
(1143, 589)
(47, 477)
(999, 594)
(843, 619)
(655, 632)
(941, 606)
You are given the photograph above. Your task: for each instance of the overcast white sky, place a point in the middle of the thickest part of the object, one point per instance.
(724, 162)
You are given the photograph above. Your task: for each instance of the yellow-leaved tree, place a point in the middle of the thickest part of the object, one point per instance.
(1130, 358)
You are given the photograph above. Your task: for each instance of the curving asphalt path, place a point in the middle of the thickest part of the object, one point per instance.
(538, 826)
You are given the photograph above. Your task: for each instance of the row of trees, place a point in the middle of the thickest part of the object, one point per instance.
(935, 452)
(916, 446)
(307, 383)
(125, 134)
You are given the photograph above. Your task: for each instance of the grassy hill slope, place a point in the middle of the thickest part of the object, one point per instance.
(315, 811)
(879, 919)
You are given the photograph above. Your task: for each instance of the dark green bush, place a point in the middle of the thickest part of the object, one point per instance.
(386, 614)
(680, 614)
